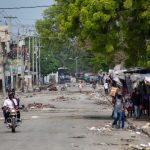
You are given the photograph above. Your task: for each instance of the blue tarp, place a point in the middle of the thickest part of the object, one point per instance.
(146, 75)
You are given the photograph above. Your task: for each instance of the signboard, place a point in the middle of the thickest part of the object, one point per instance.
(5, 37)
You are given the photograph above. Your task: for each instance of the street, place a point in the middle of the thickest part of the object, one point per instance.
(77, 121)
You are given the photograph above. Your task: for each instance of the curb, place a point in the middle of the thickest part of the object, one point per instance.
(135, 128)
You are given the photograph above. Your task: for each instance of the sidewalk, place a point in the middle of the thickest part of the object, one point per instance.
(142, 124)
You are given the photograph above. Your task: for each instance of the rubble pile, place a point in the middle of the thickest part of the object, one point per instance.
(103, 130)
(40, 106)
(37, 89)
(146, 126)
(43, 87)
(62, 98)
(97, 96)
(102, 103)
(139, 147)
(100, 99)
(52, 86)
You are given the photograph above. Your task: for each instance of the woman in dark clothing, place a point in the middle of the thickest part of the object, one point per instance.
(136, 103)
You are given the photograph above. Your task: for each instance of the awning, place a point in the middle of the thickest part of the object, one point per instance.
(147, 79)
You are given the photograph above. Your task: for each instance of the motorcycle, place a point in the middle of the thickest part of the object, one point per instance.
(12, 120)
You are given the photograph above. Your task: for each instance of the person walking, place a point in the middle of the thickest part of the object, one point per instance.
(119, 112)
(94, 85)
(80, 85)
(136, 103)
(106, 87)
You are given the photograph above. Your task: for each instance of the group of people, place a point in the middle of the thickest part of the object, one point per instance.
(132, 105)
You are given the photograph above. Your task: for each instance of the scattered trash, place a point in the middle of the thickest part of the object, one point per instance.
(138, 147)
(147, 125)
(99, 143)
(40, 106)
(138, 132)
(102, 103)
(93, 128)
(108, 144)
(127, 140)
(37, 89)
(143, 145)
(104, 129)
(62, 98)
(73, 145)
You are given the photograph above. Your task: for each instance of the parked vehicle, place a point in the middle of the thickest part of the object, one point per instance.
(63, 75)
(90, 78)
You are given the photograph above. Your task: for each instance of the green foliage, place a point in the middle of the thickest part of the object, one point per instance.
(128, 3)
(102, 27)
(48, 63)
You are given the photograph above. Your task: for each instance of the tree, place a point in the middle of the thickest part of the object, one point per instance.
(103, 28)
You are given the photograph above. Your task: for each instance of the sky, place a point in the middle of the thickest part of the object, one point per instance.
(24, 16)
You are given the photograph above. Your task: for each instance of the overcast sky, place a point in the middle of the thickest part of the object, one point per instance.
(26, 16)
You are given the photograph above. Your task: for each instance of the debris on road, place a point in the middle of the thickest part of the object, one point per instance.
(102, 103)
(127, 140)
(147, 125)
(64, 98)
(139, 147)
(52, 86)
(106, 129)
(40, 106)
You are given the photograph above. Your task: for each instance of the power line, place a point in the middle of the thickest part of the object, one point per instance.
(25, 7)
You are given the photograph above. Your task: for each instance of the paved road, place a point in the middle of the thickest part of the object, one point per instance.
(75, 124)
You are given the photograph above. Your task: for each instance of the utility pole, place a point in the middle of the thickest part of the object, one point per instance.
(2, 53)
(29, 62)
(9, 32)
(17, 61)
(39, 60)
(33, 60)
(29, 52)
(23, 58)
(36, 59)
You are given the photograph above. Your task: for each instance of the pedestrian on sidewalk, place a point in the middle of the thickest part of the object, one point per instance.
(106, 87)
(129, 107)
(136, 97)
(119, 112)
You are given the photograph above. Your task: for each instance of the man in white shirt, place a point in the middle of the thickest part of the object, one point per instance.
(10, 103)
(106, 87)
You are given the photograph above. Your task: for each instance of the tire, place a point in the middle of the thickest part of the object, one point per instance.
(13, 125)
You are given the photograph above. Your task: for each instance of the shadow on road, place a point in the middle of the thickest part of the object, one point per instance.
(9, 132)
(98, 117)
(90, 117)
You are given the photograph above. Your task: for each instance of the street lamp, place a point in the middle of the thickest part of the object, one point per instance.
(76, 61)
